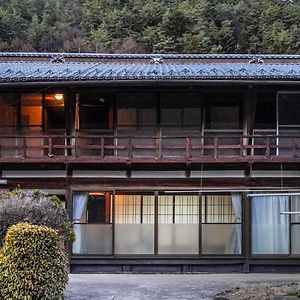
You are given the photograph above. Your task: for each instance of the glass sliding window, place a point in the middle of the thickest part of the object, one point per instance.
(288, 123)
(32, 123)
(181, 110)
(54, 121)
(136, 110)
(223, 120)
(8, 112)
(295, 225)
(54, 111)
(221, 224)
(270, 229)
(92, 223)
(134, 223)
(39, 112)
(178, 224)
(223, 111)
(223, 117)
(137, 117)
(288, 109)
(8, 124)
(31, 112)
(265, 122)
(180, 117)
(31, 115)
(96, 111)
(265, 111)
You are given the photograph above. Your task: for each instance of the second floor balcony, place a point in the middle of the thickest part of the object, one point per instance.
(96, 148)
(150, 125)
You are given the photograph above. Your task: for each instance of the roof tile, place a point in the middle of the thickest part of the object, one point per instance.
(17, 68)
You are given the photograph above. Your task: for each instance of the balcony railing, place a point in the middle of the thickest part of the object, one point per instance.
(82, 148)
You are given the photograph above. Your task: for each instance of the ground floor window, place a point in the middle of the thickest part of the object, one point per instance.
(92, 223)
(157, 223)
(222, 228)
(134, 223)
(272, 231)
(295, 225)
(178, 224)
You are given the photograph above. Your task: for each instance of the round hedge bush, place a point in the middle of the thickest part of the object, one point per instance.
(33, 265)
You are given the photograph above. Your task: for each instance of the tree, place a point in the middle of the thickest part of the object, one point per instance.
(191, 26)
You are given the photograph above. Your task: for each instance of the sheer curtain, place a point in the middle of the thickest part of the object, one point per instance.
(295, 225)
(296, 208)
(269, 227)
(79, 210)
(235, 244)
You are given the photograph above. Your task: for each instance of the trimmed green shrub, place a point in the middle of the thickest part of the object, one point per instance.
(34, 207)
(33, 265)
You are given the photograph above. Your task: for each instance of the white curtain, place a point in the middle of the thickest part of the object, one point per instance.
(295, 227)
(235, 244)
(270, 228)
(295, 208)
(79, 211)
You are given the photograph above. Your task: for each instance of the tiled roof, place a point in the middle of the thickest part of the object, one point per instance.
(41, 67)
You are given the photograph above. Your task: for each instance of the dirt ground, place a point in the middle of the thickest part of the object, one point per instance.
(172, 286)
(259, 291)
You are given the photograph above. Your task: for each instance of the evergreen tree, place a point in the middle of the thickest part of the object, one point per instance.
(189, 26)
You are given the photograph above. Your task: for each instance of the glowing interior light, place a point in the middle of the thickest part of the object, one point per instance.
(59, 96)
(96, 194)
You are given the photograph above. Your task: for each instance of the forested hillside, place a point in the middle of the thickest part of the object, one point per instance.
(153, 26)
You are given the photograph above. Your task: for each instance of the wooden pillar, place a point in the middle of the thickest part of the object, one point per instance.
(249, 115)
(156, 223)
(247, 112)
(70, 103)
(69, 207)
(246, 232)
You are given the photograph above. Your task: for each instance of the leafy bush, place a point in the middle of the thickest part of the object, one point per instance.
(33, 265)
(34, 207)
(294, 294)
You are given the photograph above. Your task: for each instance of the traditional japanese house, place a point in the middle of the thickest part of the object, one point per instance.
(174, 163)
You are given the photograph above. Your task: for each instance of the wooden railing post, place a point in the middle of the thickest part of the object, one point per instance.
(129, 149)
(102, 147)
(76, 147)
(242, 146)
(268, 144)
(50, 152)
(188, 147)
(216, 142)
(294, 154)
(24, 147)
(159, 147)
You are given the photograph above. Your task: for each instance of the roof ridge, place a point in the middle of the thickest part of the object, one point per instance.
(149, 55)
(43, 70)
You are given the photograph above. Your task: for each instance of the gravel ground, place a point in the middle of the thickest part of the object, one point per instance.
(171, 286)
(259, 291)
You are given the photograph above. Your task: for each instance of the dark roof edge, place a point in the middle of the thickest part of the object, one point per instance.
(147, 56)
